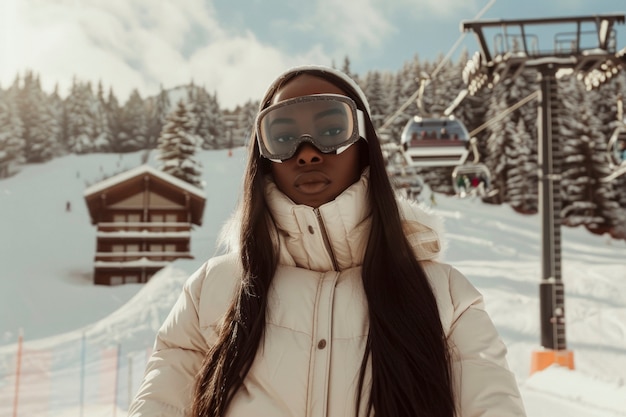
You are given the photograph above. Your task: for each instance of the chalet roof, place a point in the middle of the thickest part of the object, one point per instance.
(123, 185)
(141, 170)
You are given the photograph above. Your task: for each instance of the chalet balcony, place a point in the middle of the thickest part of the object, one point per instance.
(150, 227)
(144, 230)
(129, 257)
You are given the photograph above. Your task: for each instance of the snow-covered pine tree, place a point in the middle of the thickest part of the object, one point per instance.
(12, 143)
(133, 124)
(41, 129)
(177, 146)
(345, 67)
(373, 88)
(81, 120)
(114, 120)
(444, 87)
(217, 127)
(502, 136)
(209, 127)
(244, 127)
(103, 139)
(396, 99)
(57, 107)
(521, 177)
(158, 109)
(587, 200)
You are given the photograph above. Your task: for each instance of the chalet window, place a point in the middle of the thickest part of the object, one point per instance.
(131, 279)
(157, 218)
(166, 251)
(171, 218)
(134, 218)
(116, 280)
(127, 218)
(159, 247)
(123, 250)
(126, 279)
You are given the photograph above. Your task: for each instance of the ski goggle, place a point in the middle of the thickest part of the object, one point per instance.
(331, 122)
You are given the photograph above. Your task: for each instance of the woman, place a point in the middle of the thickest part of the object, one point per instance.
(332, 302)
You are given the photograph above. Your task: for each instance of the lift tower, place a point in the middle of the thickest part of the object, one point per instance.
(587, 47)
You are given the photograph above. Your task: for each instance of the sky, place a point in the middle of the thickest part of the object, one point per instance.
(236, 47)
(85, 346)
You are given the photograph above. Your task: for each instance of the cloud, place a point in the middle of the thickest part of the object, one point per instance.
(354, 25)
(139, 44)
(232, 47)
(242, 67)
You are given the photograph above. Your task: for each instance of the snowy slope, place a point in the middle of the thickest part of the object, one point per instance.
(45, 282)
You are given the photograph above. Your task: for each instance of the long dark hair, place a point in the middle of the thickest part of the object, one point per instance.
(407, 347)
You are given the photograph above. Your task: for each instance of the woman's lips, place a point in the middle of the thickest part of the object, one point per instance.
(311, 182)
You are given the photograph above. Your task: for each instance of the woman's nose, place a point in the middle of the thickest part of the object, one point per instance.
(307, 154)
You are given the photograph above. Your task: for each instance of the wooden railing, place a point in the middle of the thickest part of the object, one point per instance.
(144, 226)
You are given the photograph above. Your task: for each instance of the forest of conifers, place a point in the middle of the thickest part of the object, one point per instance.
(36, 126)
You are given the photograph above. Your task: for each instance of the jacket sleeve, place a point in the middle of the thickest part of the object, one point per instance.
(484, 385)
(168, 383)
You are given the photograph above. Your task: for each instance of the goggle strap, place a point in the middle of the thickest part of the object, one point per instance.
(361, 123)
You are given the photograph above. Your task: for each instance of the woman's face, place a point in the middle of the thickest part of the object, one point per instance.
(312, 177)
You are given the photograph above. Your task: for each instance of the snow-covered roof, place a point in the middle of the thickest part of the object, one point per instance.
(142, 262)
(143, 169)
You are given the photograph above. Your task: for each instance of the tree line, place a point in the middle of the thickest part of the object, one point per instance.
(36, 126)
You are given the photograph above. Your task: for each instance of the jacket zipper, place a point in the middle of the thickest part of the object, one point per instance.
(325, 238)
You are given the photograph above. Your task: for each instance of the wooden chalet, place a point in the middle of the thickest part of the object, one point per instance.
(144, 218)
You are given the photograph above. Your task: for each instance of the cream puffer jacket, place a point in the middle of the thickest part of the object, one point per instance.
(317, 322)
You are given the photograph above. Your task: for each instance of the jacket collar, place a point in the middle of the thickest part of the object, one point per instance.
(311, 238)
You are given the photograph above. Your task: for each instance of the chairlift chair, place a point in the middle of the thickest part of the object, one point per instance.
(471, 179)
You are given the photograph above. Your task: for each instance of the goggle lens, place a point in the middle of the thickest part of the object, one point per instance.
(329, 121)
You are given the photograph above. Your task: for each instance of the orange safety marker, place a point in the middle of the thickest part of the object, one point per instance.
(541, 359)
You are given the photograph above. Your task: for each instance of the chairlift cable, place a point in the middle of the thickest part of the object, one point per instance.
(505, 112)
(416, 94)
(619, 171)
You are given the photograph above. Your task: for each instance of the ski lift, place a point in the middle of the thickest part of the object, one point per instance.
(472, 179)
(435, 142)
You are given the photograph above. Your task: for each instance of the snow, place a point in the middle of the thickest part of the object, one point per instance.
(46, 264)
